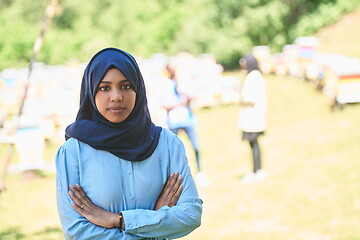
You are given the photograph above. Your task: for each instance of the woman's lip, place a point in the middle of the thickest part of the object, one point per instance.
(116, 109)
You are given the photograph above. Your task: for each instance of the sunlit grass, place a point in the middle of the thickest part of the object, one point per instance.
(311, 155)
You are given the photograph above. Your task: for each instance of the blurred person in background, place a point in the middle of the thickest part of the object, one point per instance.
(118, 175)
(252, 114)
(180, 116)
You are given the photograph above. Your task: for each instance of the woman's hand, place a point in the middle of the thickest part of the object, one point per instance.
(91, 212)
(171, 192)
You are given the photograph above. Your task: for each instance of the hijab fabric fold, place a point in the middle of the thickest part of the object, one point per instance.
(134, 139)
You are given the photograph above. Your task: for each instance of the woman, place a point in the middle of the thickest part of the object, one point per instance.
(118, 175)
(252, 115)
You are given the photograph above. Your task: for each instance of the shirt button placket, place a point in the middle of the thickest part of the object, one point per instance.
(131, 179)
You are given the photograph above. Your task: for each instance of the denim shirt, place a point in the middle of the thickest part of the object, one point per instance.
(116, 185)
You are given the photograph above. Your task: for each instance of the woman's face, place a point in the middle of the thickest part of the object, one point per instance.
(115, 97)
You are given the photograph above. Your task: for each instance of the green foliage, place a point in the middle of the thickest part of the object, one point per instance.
(226, 28)
(324, 15)
(66, 19)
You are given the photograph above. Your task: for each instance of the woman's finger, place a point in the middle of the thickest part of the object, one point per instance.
(178, 182)
(176, 185)
(78, 198)
(82, 193)
(176, 197)
(172, 179)
(170, 183)
(80, 210)
(75, 192)
(175, 188)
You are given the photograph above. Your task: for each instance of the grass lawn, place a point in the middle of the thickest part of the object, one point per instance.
(311, 155)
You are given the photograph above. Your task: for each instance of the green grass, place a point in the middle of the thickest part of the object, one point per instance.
(311, 155)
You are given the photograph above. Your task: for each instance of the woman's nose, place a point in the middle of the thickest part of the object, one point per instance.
(116, 95)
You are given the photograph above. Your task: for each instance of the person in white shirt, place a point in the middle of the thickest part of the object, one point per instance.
(252, 114)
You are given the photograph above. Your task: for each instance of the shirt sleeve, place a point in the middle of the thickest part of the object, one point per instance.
(169, 222)
(74, 225)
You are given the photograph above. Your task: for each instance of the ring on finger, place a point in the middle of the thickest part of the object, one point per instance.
(82, 206)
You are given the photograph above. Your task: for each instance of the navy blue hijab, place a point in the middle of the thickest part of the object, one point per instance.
(134, 139)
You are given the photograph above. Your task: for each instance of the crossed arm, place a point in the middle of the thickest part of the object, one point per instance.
(147, 216)
(98, 216)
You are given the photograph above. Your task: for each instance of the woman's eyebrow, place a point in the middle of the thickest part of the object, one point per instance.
(108, 82)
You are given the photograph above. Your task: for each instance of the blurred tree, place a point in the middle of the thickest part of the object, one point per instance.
(226, 28)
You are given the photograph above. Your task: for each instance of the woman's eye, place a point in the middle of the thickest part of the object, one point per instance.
(103, 88)
(125, 87)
